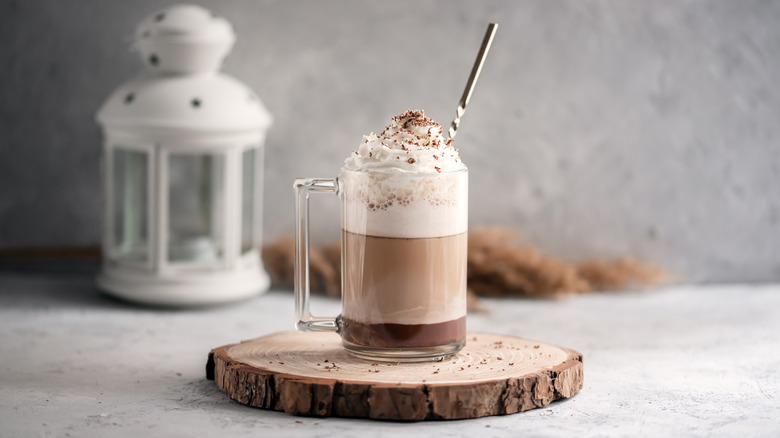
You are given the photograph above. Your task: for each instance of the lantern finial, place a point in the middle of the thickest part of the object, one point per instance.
(184, 39)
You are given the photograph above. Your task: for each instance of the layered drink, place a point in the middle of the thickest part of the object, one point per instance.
(404, 222)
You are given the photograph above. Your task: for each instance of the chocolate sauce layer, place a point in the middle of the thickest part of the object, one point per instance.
(404, 335)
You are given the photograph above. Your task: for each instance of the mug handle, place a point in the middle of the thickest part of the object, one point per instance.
(304, 319)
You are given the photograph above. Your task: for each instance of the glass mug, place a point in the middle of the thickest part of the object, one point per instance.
(403, 262)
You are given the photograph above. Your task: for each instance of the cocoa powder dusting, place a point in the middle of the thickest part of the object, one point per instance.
(414, 118)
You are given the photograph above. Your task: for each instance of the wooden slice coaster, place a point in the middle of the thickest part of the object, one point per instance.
(311, 374)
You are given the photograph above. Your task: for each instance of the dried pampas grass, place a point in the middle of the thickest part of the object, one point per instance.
(500, 266)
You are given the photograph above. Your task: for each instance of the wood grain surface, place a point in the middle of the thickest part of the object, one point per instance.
(311, 374)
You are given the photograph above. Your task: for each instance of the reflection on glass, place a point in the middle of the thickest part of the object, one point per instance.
(249, 171)
(196, 208)
(130, 206)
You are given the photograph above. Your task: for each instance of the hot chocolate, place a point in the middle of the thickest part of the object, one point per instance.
(404, 201)
(404, 222)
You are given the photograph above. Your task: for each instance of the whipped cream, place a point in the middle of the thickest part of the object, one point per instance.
(410, 143)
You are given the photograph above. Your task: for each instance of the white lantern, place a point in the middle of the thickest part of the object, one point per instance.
(182, 170)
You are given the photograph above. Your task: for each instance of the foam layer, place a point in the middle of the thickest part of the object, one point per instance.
(404, 205)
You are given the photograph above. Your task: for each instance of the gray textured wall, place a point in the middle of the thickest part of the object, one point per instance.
(598, 128)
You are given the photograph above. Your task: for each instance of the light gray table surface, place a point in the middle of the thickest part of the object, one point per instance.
(679, 361)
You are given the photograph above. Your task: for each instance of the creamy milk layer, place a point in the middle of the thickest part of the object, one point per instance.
(408, 181)
(404, 281)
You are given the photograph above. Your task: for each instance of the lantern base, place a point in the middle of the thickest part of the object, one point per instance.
(201, 289)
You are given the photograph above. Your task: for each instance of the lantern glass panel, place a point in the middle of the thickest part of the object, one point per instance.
(248, 195)
(130, 205)
(196, 208)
